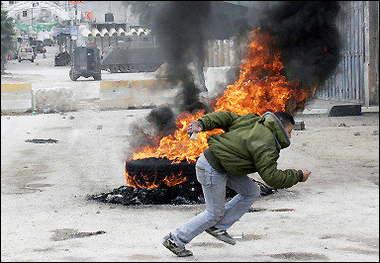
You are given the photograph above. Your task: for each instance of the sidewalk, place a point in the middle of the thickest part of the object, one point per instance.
(319, 106)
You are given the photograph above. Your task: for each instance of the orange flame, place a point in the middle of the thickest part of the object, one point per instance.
(170, 180)
(259, 88)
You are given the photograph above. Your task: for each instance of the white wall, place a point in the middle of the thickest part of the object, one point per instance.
(100, 8)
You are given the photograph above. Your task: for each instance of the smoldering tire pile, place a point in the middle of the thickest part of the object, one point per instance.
(154, 171)
(185, 193)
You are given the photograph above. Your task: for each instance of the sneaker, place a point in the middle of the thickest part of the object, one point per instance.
(170, 244)
(221, 234)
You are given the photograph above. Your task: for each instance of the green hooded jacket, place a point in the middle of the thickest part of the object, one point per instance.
(250, 144)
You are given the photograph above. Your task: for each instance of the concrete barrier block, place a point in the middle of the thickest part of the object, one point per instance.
(345, 110)
(218, 78)
(137, 94)
(16, 98)
(52, 100)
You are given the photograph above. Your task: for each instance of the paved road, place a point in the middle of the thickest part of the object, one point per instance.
(45, 214)
(332, 217)
(43, 74)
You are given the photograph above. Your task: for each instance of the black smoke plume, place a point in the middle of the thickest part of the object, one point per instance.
(306, 34)
(180, 28)
(156, 125)
(162, 119)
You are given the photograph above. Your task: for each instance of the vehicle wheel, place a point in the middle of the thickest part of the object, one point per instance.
(98, 77)
(124, 68)
(19, 60)
(32, 60)
(72, 75)
(114, 69)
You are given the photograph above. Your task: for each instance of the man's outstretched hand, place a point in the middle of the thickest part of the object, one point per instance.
(193, 127)
(306, 174)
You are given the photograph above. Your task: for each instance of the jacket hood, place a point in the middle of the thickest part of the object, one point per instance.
(271, 121)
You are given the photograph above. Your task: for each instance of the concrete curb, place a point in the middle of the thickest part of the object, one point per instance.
(364, 109)
(136, 94)
(370, 109)
(16, 98)
(118, 94)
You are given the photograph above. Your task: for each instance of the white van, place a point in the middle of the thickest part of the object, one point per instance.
(26, 53)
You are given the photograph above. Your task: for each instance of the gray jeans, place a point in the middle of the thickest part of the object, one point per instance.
(217, 212)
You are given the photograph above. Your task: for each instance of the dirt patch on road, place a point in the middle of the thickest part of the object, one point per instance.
(68, 233)
(302, 256)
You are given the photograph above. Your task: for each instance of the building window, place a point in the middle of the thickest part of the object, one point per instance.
(11, 2)
(25, 13)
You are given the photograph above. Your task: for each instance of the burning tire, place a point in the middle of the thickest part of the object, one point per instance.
(155, 172)
(156, 181)
(149, 183)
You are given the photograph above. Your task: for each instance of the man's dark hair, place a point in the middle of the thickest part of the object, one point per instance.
(285, 118)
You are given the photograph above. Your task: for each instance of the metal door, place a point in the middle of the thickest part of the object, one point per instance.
(347, 83)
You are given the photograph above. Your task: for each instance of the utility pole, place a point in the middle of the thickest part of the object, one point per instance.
(75, 23)
(76, 14)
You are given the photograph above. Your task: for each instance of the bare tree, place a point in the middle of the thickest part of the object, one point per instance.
(7, 34)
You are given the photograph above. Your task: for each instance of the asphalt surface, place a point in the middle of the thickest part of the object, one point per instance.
(45, 214)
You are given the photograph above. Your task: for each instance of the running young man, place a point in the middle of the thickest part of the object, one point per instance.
(250, 144)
